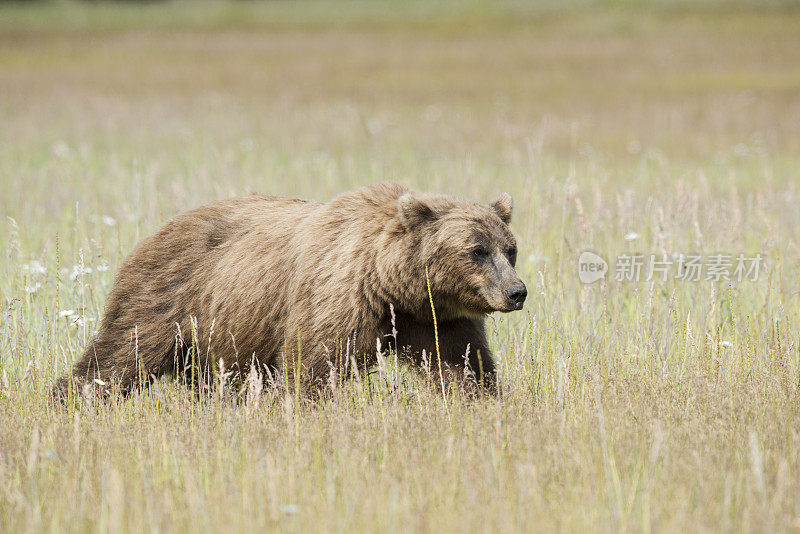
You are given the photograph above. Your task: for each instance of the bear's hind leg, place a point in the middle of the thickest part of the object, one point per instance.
(118, 360)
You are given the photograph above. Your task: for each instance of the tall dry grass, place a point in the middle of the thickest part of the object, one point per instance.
(660, 406)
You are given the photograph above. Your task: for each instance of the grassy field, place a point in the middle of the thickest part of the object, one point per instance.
(672, 127)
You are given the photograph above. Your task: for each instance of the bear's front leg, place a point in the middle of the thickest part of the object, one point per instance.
(461, 341)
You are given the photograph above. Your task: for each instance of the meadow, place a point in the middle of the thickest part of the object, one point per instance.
(662, 127)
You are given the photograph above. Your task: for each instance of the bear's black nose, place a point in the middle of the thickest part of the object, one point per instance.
(516, 294)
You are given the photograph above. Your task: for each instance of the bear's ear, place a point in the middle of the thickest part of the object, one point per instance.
(503, 206)
(413, 211)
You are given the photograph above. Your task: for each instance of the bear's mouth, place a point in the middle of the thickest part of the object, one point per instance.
(507, 306)
(512, 307)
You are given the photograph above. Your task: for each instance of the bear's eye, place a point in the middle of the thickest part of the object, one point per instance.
(512, 252)
(480, 252)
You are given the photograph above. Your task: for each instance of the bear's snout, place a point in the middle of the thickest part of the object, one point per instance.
(516, 295)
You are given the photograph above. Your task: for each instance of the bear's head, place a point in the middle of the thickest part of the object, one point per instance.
(469, 250)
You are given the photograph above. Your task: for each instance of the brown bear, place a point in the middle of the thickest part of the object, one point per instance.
(264, 279)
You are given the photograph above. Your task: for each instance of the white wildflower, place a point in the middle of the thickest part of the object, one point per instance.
(79, 321)
(79, 270)
(374, 126)
(109, 221)
(631, 236)
(60, 149)
(33, 288)
(534, 258)
(66, 313)
(34, 267)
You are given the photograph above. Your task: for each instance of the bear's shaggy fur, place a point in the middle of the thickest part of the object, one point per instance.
(249, 280)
